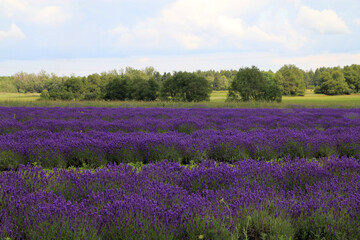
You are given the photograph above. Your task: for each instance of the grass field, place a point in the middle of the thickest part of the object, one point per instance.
(19, 97)
(217, 99)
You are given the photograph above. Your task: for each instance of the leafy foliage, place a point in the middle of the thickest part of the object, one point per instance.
(117, 88)
(352, 77)
(187, 87)
(292, 80)
(250, 84)
(332, 83)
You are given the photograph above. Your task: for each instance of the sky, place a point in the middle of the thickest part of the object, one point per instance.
(82, 37)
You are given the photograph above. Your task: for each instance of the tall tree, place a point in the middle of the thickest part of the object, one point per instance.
(185, 86)
(293, 80)
(250, 84)
(117, 88)
(309, 79)
(142, 89)
(352, 77)
(333, 82)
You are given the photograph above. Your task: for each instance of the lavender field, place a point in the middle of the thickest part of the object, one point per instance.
(136, 173)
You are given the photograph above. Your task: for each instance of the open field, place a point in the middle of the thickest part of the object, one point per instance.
(163, 173)
(309, 100)
(217, 100)
(18, 97)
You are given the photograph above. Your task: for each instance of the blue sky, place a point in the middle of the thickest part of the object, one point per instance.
(87, 36)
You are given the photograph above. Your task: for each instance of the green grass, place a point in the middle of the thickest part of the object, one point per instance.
(217, 100)
(18, 97)
(218, 96)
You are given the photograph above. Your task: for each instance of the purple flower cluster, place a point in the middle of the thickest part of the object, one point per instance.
(63, 137)
(158, 120)
(307, 189)
(166, 200)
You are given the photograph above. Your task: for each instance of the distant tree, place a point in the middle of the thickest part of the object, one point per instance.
(94, 86)
(352, 77)
(333, 83)
(272, 89)
(221, 83)
(75, 88)
(216, 84)
(24, 82)
(316, 78)
(269, 76)
(279, 80)
(143, 90)
(308, 79)
(292, 80)
(136, 73)
(250, 84)
(108, 76)
(185, 86)
(152, 90)
(7, 85)
(117, 88)
(45, 94)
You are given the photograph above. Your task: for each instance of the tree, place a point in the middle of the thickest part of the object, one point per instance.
(250, 84)
(216, 84)
(7, 85)
(142, 89)
(117, 88)
(293, 80)
(45, 94)
(75, 87)
(308, 79)
(352, 77)
(333, 83)
(185, 86)
(93, 87)
(316, 77)
(272, 89)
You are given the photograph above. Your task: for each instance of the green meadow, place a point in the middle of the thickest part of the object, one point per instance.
(18, 97)
(217, 100)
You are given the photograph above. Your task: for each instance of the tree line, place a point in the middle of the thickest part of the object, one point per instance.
(245, 84)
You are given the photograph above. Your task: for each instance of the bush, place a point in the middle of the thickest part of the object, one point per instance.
(45, 94)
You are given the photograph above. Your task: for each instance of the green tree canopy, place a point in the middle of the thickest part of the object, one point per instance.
(352, 77)
(142, 89)
(333, 83)
(252, 84)
(292, 81)
(117, 88)
(185, 86)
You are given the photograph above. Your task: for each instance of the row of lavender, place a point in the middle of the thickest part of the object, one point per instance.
(94, 149)
(63, 137)
(16, 119)
(288, 199)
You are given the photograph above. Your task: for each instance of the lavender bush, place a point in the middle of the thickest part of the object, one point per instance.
(63, 137)
(179, 173)
(291, 198)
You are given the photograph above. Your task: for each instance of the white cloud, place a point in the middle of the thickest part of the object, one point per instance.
(13, 32)
(50, 15)
(320, 60)
(326, 21)
(218, 61)
(357, 21)
(37, 11)
(206, 24)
